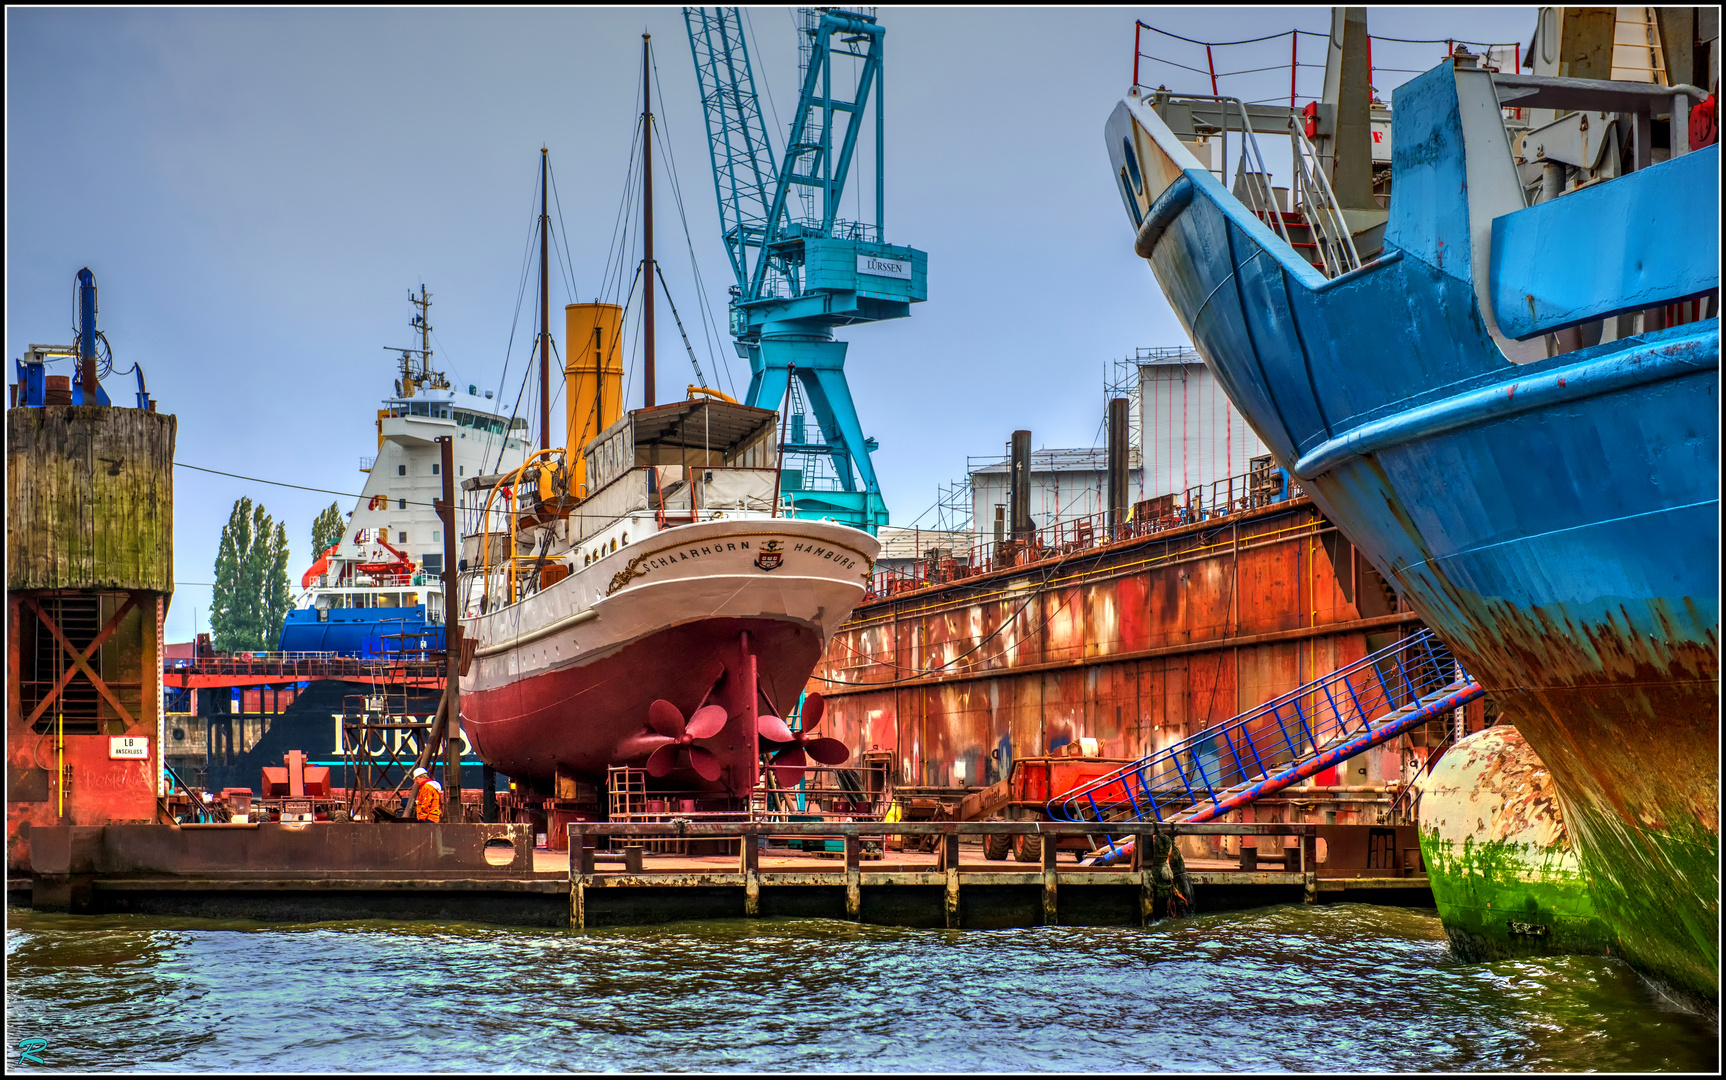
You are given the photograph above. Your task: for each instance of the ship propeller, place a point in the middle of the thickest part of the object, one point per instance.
(667, 720)
(797, 747)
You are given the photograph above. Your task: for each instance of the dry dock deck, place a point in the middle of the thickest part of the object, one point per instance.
(442, 872)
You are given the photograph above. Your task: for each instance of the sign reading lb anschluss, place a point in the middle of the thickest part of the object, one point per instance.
(129, 746)
(875, 264)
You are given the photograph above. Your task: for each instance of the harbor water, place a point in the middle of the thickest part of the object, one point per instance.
(1345, 988)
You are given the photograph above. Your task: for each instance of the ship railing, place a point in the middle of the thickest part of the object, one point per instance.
(1319, 207)
(306, 664)
(943, 564)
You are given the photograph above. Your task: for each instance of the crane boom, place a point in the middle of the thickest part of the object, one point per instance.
(743, 169)
(800, 269)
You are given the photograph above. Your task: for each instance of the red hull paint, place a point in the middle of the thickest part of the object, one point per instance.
(585, 716)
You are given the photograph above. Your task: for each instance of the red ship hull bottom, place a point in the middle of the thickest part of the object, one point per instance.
(589, 716)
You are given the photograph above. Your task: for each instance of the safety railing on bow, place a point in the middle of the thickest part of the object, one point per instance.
(1282, 741)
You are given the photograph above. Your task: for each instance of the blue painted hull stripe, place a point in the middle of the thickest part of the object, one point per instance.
(1577, 382)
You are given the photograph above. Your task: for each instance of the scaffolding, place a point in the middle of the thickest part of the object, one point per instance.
(380, 740)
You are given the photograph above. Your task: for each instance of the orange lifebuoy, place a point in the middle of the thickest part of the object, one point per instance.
(378, 502)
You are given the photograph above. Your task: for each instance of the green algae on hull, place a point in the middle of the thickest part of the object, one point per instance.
(1504, 876)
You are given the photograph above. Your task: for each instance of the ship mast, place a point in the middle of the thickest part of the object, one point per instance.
(647, 266)
(544, 315)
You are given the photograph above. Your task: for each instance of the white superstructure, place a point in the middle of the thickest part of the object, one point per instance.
(391, 551)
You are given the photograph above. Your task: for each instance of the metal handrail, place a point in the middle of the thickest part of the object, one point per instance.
(1213, 763)
(1325, 216)
(1248, 139)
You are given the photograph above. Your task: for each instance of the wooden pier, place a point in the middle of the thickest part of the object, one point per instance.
(492, 873)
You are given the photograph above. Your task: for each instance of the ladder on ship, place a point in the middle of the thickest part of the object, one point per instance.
(1287, 739)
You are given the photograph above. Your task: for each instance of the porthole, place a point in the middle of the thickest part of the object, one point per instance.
(179, 734)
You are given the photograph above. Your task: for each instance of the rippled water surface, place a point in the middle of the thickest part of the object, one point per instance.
(1346, 988)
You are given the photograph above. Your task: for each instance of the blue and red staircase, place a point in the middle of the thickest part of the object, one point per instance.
(1285, 740)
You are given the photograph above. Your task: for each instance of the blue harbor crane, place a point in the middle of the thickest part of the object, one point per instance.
(801, 269)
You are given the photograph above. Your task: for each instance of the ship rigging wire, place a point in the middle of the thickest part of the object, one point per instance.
(515, 321)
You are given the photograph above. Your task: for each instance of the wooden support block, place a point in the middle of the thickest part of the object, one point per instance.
(1142, 870)
(749, 861)
(577, 878)
(1050, 913)
(1309, 865)
(948, 858)
(853, 878)
(632, 859)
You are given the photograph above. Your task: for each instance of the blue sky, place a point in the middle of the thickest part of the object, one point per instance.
(258, 190)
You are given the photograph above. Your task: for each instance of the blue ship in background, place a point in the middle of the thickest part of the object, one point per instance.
(367, 633)
(1513, 410)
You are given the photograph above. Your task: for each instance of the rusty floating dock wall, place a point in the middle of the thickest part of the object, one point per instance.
(1133, 644)
(486, 873)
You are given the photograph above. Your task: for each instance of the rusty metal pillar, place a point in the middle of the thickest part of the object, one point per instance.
(1019, 481)
(1118, 452)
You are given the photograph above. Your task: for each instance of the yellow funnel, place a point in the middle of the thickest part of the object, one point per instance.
(593, 379)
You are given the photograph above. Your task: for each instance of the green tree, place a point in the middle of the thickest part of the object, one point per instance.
(251, 598)
(326, 530)
(277, 599)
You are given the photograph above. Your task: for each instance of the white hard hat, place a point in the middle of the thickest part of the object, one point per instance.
(421, 772)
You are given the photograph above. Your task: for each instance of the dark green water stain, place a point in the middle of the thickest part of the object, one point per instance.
(1345, 988)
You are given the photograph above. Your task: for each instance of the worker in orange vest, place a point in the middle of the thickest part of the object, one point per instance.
(411, 801)
(429, 805)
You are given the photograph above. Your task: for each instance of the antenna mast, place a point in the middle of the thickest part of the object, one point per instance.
(425, 376)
